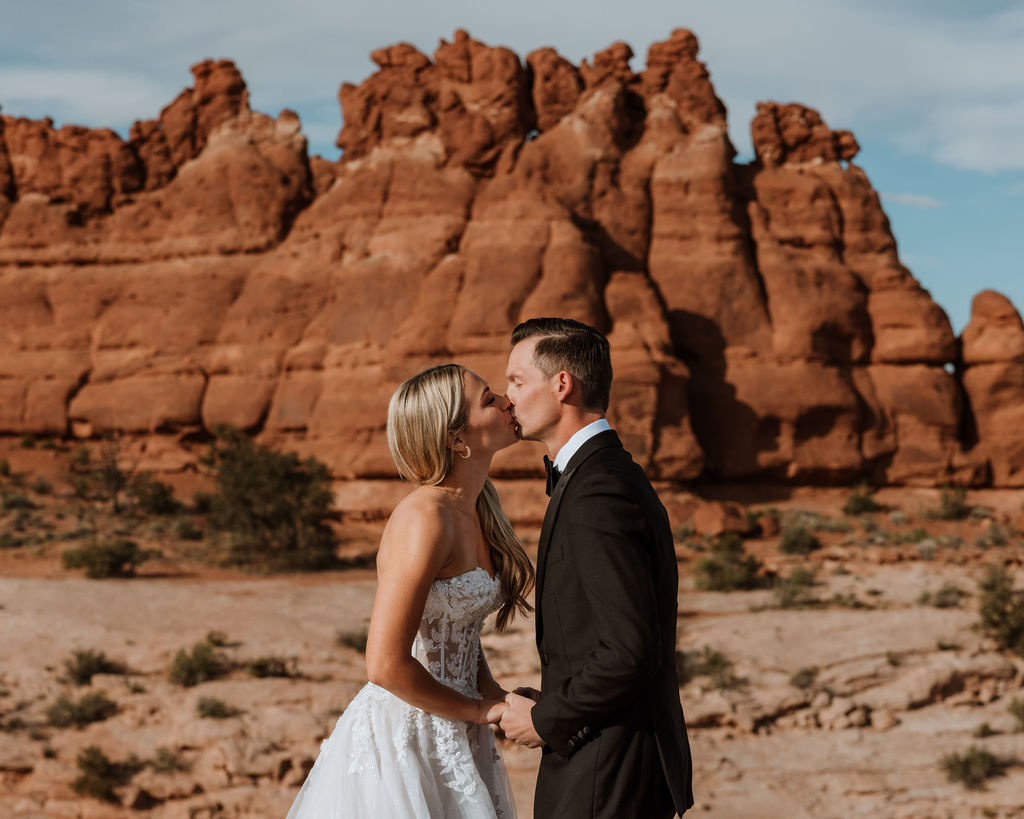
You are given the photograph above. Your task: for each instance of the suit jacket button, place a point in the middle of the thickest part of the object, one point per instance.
(586, 730)
(572, 743)
(543, 658)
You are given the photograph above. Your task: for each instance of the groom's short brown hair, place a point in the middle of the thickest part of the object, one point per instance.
(579, 349)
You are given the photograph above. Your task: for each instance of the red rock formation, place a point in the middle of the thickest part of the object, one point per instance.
(207, 271)
(993, 352)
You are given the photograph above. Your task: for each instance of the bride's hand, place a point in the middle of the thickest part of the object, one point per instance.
(491, 711)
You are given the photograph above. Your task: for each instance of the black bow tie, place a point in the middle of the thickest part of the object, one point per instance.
(554, 473)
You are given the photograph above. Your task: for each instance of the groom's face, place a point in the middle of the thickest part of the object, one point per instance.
(534, 396)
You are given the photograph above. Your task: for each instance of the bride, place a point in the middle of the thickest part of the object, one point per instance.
(416, 741)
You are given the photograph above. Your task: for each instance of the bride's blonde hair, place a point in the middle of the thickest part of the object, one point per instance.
(426, 412)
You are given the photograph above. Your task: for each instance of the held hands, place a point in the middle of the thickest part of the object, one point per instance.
(517, 721)
(491, 712)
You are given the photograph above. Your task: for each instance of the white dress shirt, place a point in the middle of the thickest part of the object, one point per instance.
(572, 446)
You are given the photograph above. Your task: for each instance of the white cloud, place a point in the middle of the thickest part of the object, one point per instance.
(912, 200)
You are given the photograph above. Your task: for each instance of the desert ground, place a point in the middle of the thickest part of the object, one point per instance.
(840, 701)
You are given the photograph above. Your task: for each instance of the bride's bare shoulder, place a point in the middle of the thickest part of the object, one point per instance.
(418, 522)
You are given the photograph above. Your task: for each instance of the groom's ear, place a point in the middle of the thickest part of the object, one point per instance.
(564, 383)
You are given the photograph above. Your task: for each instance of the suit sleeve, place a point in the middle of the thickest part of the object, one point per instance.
(609, 544)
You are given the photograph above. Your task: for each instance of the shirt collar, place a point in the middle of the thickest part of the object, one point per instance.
(571, 447)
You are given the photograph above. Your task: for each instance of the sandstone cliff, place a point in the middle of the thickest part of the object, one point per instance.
(206, 270)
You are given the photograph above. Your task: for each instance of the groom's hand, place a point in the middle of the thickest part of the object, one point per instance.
(517, 721)
(526, 691)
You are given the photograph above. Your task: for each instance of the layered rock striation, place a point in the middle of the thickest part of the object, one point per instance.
(206, 270)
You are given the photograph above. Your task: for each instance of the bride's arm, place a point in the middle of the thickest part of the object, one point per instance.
(412, 551)
(489, 688)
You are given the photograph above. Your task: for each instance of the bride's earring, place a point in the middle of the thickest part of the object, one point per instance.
(465, 455)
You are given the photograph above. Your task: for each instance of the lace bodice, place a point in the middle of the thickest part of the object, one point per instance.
(384, 751)
(448, 641)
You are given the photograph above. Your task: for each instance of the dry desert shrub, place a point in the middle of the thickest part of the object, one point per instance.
(353, 639)
(92, 707)
(861, 501)
(794, 590)
(707, 663)
(152, 497)
(1016, 710)
(200, 664)
(167, 761)
(272, 506)
(81, 666)
(109, 558)
(97, 775)
(1001, 608)
(972, 768)
(728, 567)
(272, 667)
(213, 708)
(953, 504)
(798, 540)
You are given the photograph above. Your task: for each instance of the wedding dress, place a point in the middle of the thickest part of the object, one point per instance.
(386, 759)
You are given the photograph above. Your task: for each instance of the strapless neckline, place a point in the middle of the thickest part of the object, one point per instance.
(492, 577)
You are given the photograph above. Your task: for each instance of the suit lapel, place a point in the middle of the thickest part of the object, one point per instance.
(592, 445)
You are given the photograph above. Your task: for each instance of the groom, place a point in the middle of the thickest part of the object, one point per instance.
(608, 714)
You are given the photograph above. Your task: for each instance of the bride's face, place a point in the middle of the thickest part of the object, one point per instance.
(489, 426)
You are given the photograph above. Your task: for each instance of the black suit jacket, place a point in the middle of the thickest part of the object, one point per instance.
(606, 609)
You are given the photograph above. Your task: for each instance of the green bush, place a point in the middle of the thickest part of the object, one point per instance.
(728, 567)
(217, 638)
(861, 501)
(1001, 609)
(152, 497)
(1016, 710)
(273, 506)
(972, 768)
(83, 664)
(804, 678)
(706, 663)
(167, 761)
(994, 535)
(41, 486)
(97, 776)
(103, 479)
(798, 540)
(16, 500)
(112, 558)
(184, 529)
(353, 639)
(200, 664)
(92, 707)
(28, 441)
(953, 503)
(793, 590)
(947, 597)
(5, 468)
(271, 667)
(213, 708)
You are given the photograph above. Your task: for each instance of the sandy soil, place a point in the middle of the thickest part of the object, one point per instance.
(890, 683)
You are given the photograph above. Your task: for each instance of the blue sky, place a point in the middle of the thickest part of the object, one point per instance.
(933, 89)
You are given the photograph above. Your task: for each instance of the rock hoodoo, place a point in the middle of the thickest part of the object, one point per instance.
(206, 270)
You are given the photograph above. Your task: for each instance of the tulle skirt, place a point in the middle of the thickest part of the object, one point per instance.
(387, 760)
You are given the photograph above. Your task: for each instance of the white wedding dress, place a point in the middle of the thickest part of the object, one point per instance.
(386, 759)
